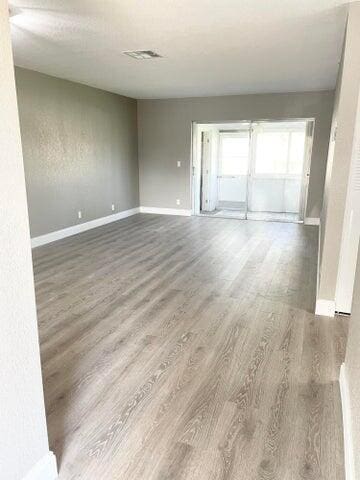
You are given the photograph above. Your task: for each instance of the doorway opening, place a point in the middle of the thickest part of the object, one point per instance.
(256, 170)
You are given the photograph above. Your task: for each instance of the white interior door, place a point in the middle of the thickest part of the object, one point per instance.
(205, 171)
(233, 169)
(277, 167)
(209, 168)
(351, 231)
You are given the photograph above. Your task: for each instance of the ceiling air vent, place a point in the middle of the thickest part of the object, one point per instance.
(142, 54)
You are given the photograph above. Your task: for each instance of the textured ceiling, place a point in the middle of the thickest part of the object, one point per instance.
(209, 47)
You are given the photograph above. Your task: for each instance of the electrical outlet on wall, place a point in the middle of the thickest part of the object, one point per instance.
(178, 163)
(79, 214)
(112, 207)
(178, 201)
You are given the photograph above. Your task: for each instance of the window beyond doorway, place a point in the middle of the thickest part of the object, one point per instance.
(234, 153)
(280, 152)
(233, 162)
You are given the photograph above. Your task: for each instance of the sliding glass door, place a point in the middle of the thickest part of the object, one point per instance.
(256, 171)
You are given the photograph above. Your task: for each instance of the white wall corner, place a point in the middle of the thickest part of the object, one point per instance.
(44, 469)
(312, 221)
(318, 261)
(166, 211)
(346, 415)
(325, 308)
(81, 227)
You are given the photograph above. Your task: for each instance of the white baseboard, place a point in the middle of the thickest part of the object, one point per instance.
(325, 308)
(346, 414)
(44, 469)
(81, 227)
(312, 221)
(166, 211)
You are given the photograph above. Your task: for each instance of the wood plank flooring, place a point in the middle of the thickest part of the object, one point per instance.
(179, 348)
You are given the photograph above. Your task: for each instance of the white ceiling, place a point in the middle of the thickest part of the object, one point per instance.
(210, 47)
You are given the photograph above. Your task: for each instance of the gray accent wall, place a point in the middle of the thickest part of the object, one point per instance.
(80, 151)
(165, 138)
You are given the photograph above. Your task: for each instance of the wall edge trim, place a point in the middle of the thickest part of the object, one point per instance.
(318, 261)
(81, 227)
(312, 221)
(347, 432)
(44, 469)
(166, 211)
(325, 308)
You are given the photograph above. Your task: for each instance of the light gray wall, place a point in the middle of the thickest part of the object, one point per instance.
(338, 166)
(165, 138)
(23, 440)
(80, 151)
(352, 368)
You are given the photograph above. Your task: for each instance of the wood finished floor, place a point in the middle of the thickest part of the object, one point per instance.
(179, 348)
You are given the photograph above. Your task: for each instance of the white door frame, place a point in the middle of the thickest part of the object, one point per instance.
(195, 160)
(310, 129)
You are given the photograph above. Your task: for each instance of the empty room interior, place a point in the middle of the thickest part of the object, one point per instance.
(180, 223)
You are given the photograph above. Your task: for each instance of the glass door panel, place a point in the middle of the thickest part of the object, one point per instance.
(278, 151)
(233, 171)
